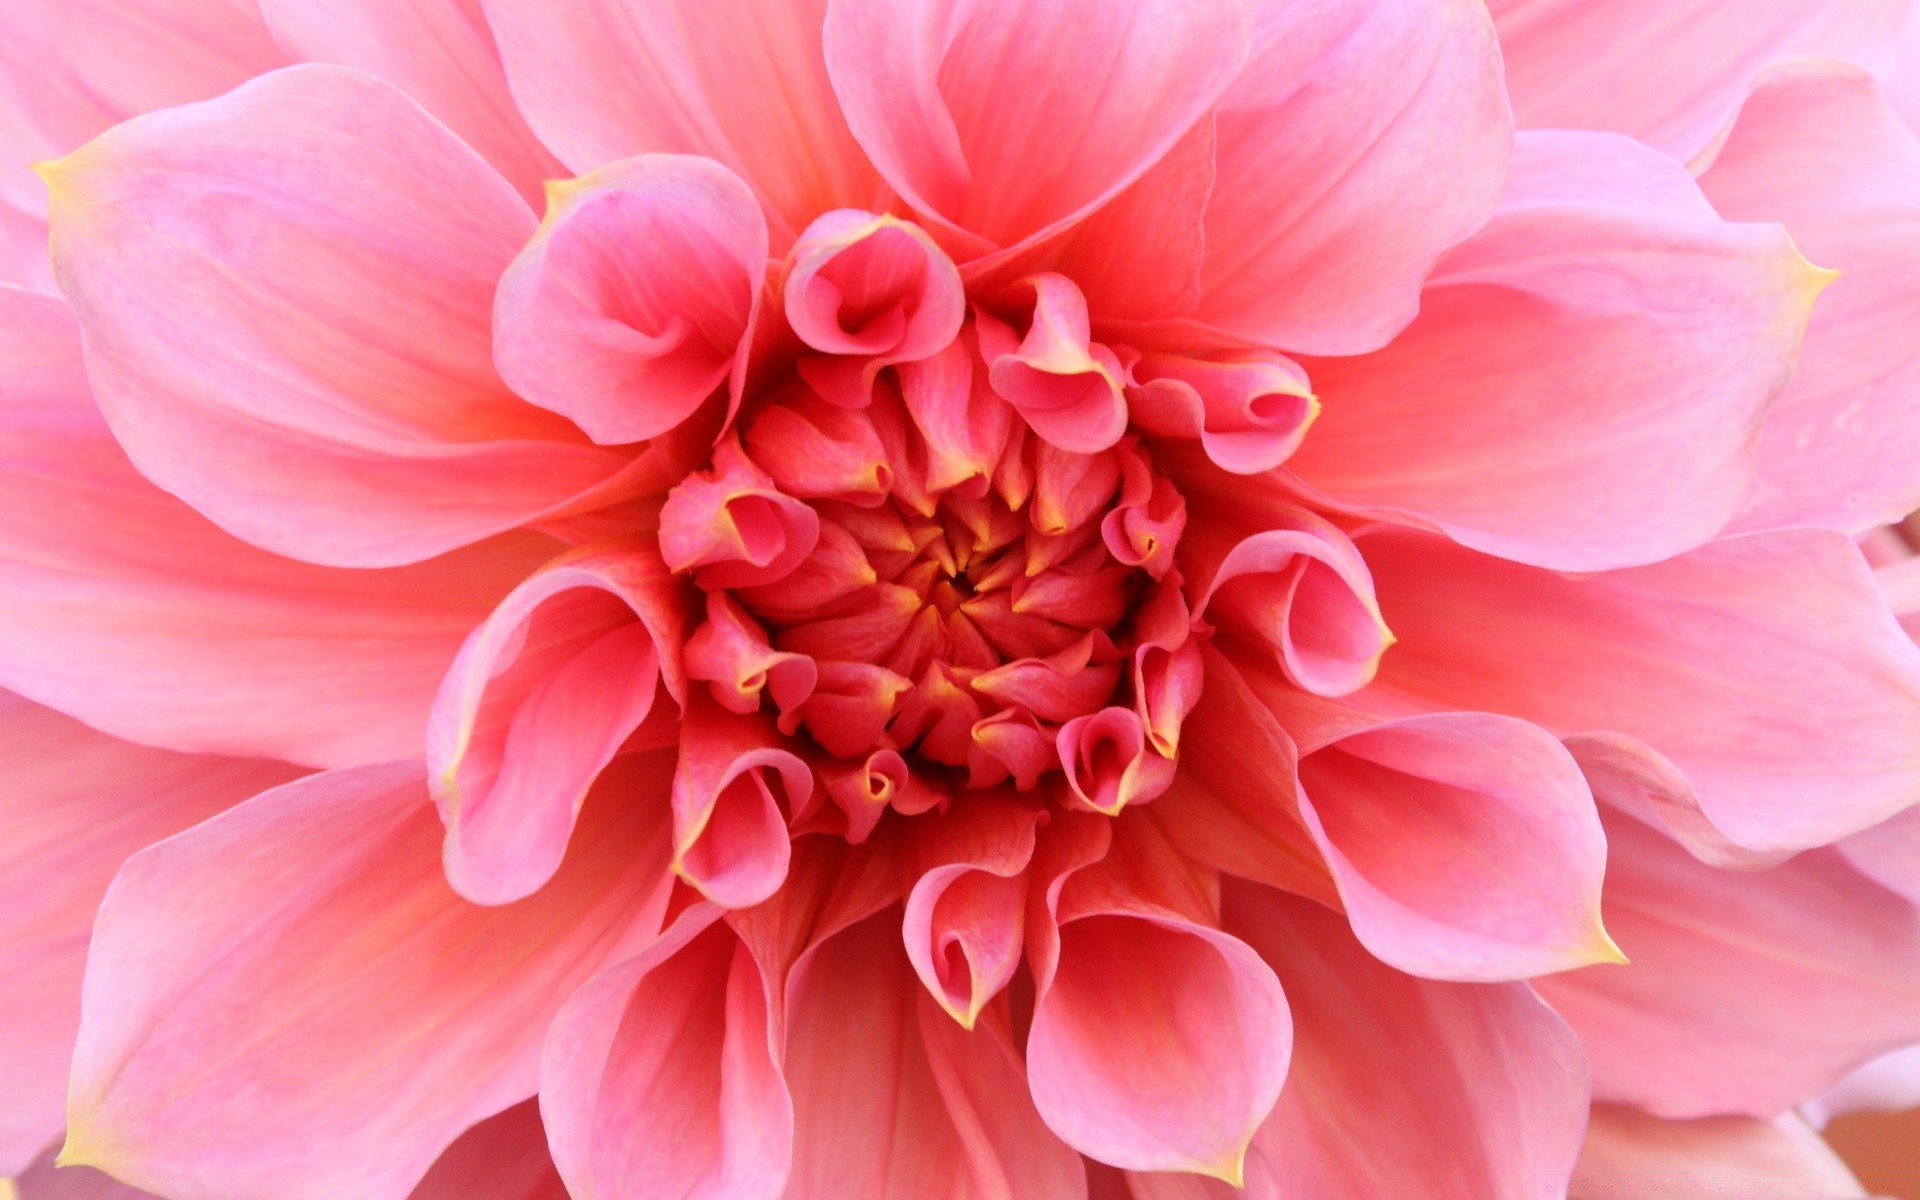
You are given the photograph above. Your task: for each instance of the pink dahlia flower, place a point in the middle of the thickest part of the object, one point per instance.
(970, 599)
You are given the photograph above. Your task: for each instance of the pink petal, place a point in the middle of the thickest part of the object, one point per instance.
(44, 1181)
(1066, 385)
(1288, 581)
(126, 608)
(1747, 992)
(1399, 1087)
(288, 1002)
(75, 804)
(1817, 148)
(674, 1046)
(369, 429)
(636, 297)
(1713, 1158)
(1362, 141)
(441, 53)
(502, 1158)
(965, 912)
(1584, 385)
(1709, 658)
(732, 526)
(1466, 846)
(894, 1101)
(729, 830)
(1670, 73)
(539, 701)
(1158, 1042)
(71, 68)
(872, 286)
(738, 81)
(1249, 413)
(976, 119)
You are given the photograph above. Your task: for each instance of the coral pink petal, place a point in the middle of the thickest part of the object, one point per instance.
(738, 81)
(1708, 658)
(1817, 149)
(1466, 846)
(1488, 1090)
(1748, 991)
(636, 298)
(1669, 73)
(121, 605)
(71, 68)
(966, 910)
(1067, 386)
(1158, 1042)
(539, 700)
(502, 1158)
(1249, 413)
(1713, 1158)
(729, 827)
(1363, 140)
(1584, 386)
(894, 1101)
(286, 296)
(1288, 580)
(872, 286)
(441, 53)
(732, 526)
(1160, 219)
(326, 897)
(75, 804)
(975, 117)
(676, 1041)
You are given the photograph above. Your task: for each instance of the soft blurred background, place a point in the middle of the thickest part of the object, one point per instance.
(1883, 1149)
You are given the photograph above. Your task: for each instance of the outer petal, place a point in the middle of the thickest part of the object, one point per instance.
(739, 81)
(1670, 72)
(1488, 1087)
(1584, 386)
(75, 803)
(123, 606)
(636, 298)
(661, 1079)
(539, 701)
(71, 68)
(1765, 667)
(440, 52)
(288, 1002)
(47, 1182)
(1817, 148)
(894, 1101)
(977, 119)
(1363, 140)
(1748, 992)
(286, 298)
(1713, 1158)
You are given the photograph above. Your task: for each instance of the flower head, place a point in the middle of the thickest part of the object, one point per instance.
(905, 598)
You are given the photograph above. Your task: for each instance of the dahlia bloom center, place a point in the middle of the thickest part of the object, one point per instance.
(931, 545)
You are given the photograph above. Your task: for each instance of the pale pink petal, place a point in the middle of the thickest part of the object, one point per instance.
(441, 53)
(1363, 140)
(1584, 385)
(289, 1003)
(1903, 78)
(636, 297)
(75, 803)
(973, 114)
(1746, 991)
(661, 1078)
(1817, 149)
(1670, 72)
(1627, 1153)
(1766, 668)
(121, 605)
(1159, 1042)
(71, 68)
(738, 81)
(24, 261)
(1399, 1087)
(541, 698)
(44, 1181)
(286, 297)
(894, 1101)
(1466, 846)
(1890, 1083)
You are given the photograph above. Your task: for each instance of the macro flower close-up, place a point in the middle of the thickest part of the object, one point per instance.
(957, 599)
